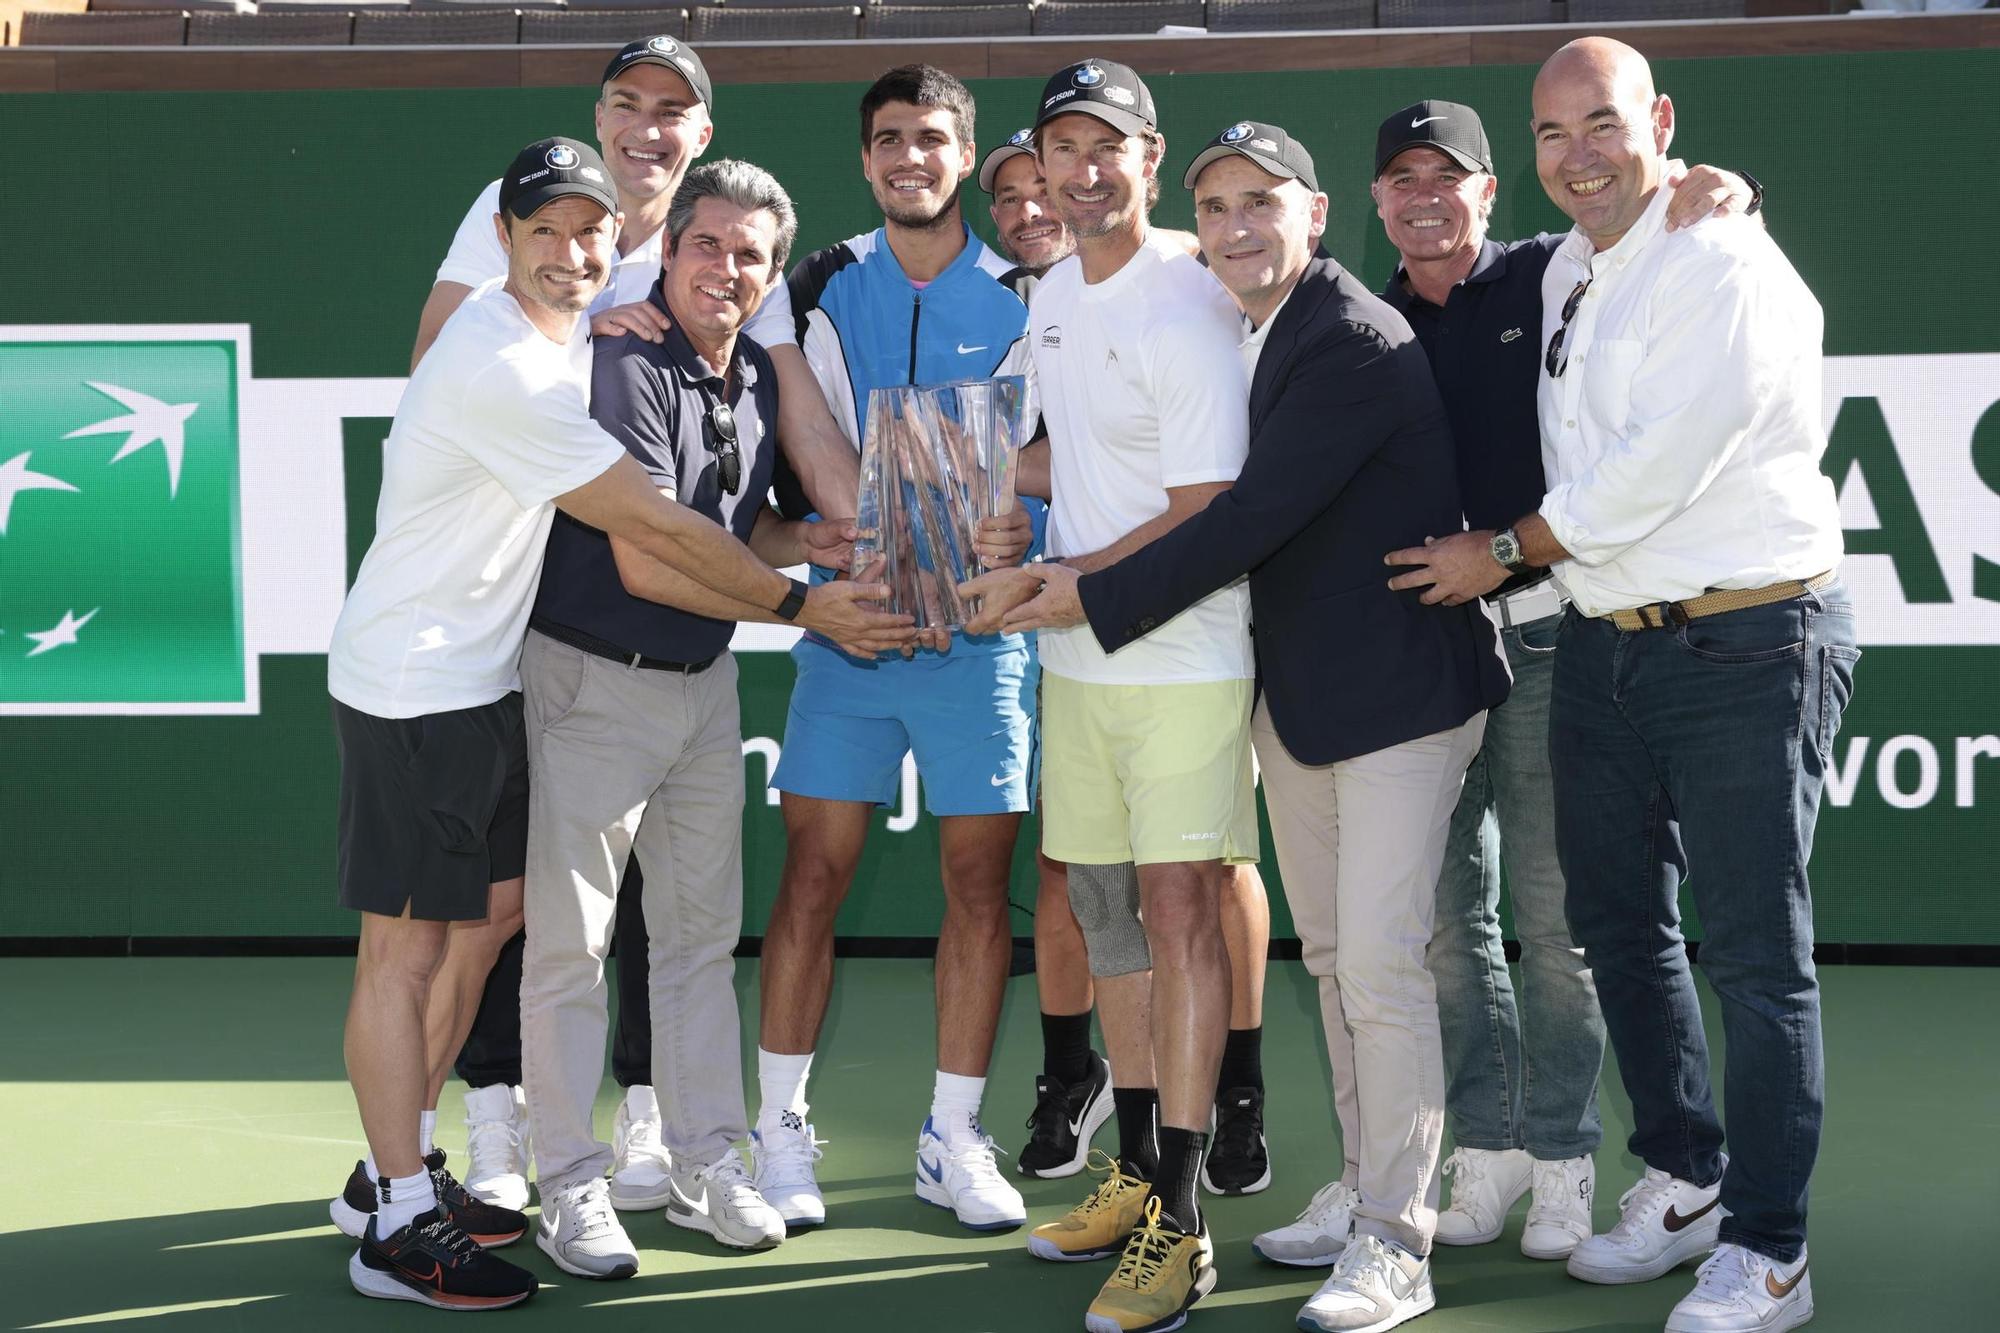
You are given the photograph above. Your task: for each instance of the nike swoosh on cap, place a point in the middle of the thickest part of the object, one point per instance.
(1419, 124)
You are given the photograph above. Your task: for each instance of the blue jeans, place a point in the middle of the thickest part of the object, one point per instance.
(1510, 1083)
(1703, 747)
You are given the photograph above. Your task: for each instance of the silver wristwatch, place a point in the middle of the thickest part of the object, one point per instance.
(1506, 548)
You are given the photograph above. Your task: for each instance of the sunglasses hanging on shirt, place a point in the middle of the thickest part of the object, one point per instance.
(718, 429)
(1555, 362)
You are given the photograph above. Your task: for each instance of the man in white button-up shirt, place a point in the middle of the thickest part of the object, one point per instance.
(1700, 678)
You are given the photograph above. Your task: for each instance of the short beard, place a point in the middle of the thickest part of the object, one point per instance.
(946, 215)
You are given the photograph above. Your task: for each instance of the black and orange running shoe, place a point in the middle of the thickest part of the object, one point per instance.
(489, 1226)
(433, 1262)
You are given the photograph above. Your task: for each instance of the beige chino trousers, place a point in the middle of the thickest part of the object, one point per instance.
(1360, 844)
(625, 761)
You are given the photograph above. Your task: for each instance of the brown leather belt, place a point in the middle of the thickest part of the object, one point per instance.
(1659, 615)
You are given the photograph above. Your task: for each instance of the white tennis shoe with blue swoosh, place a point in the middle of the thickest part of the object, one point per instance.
(957, 1169)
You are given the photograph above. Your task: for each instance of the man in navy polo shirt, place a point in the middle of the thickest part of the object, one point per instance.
(1476, 306)
(636, 741)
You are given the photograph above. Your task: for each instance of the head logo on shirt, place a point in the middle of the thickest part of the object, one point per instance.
(562, 157)
(1238, 132)
(1088, 76)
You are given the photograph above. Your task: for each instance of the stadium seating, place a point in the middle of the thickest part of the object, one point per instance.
(1624, 11)
(155, 28)
(1091, 17)
(1289, 15)
(1461, 13)
(333, 28)
(756, 24)
(602, 27)
(464, 27)
(948, 20)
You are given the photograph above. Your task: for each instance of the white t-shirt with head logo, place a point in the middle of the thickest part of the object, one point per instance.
(494, 425)
(1143, 389)
(475, 258)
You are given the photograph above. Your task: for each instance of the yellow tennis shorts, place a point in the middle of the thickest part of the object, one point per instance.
(1147, 773)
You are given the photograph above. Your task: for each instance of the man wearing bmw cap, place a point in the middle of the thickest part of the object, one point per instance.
(1348, 448)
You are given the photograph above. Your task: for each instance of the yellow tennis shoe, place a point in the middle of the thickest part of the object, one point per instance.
(1160, 1275)
(1099, 1226)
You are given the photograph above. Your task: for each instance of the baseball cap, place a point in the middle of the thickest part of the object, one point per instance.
(1450, 127)
(1103, 88)
(1019, 144)
(1268, 146)
(549, 169)
(668, 52)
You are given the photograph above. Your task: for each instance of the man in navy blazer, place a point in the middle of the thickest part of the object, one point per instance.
(1371, 702)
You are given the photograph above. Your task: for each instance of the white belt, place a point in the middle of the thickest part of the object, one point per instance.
(1529, 604)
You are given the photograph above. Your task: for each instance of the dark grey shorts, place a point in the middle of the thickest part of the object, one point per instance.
(433, 809)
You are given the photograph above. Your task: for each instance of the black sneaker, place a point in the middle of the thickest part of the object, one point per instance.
(1237, 1162)
(432, 1262)
(1065, 1119)
(489, 1226)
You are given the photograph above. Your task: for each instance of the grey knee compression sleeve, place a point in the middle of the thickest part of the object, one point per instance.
(1106, 902)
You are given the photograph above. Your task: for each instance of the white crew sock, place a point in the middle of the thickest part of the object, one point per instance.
(781, 1083)
(955, 1106)
(403, 1202)
(426, 1131)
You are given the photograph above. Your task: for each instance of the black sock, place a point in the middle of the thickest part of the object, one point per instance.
(1138, 1130)
(1180, 1164)
(1242, 1061)
(1066, 1047)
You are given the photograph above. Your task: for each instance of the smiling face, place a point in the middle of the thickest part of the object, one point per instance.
(915, 164)
(560, 257)
(1097, 174)
(1601, 136)
(1430, 206)
(1257, 230)
(650, 126)
(1030, 232)
(719, 269)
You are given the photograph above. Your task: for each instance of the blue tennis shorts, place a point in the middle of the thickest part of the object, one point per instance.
(967, 716)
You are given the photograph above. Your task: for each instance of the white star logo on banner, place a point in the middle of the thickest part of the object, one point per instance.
(15, 478)
(63, 634)
(148, 421)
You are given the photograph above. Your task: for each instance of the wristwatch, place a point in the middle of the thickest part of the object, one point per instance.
(795, 601)
(1506, 548)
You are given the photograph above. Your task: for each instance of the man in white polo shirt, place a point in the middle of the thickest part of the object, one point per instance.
(493, 432)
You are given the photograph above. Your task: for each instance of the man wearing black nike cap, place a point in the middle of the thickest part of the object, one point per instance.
(1347, 448)
(1475, 305)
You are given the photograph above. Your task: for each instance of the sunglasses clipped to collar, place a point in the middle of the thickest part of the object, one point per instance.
(1555, 362)
(718, 430)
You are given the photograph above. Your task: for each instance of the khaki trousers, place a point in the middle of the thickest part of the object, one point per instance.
(1360, 844)
(624, 761)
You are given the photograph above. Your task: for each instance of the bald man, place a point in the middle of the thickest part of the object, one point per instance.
(1700, 677)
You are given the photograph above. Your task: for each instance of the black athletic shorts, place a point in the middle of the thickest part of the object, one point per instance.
(433, 809)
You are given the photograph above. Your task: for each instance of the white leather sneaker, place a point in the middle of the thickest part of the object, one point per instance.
(1375, 1286)
(1559, 1218)
(1662, 1223)
(782, 1153)
(580, 1231)
(956, 1169)
(1317, 1236)
(1740, 1291)
(496, 1145)
(641, 1170)
(723, 1201)
(1484, 1186)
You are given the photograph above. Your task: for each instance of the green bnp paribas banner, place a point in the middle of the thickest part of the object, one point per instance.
(206, 309)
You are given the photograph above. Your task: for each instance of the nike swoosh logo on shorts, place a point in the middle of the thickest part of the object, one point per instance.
(1419, 124)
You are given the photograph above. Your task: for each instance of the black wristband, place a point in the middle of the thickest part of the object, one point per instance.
(795, 601)
(1756, 193)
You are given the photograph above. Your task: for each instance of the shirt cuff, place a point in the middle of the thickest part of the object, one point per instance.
(1573, 537)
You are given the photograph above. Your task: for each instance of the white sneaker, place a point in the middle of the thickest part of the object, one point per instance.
(1559, 1218)
(1740, 1291)
(1376, 1285)
(580, 1231)
(1318, 1235)
(957, 1170)
(1662, 1223)
(1485, 1185)
(721, 1199)
(496, 1145)
(641, 1171)
(782, 1153)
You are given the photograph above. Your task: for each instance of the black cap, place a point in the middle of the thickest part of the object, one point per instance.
(669, 53)
(1103, 88)
(551, 168)
(1266, 145)
(1450, 127)
(1019, 144)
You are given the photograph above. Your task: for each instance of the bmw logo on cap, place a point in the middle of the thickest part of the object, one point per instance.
(1238, 132)
(1020, 137)
(562, 157)
(1088, 76)
(666, 46)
